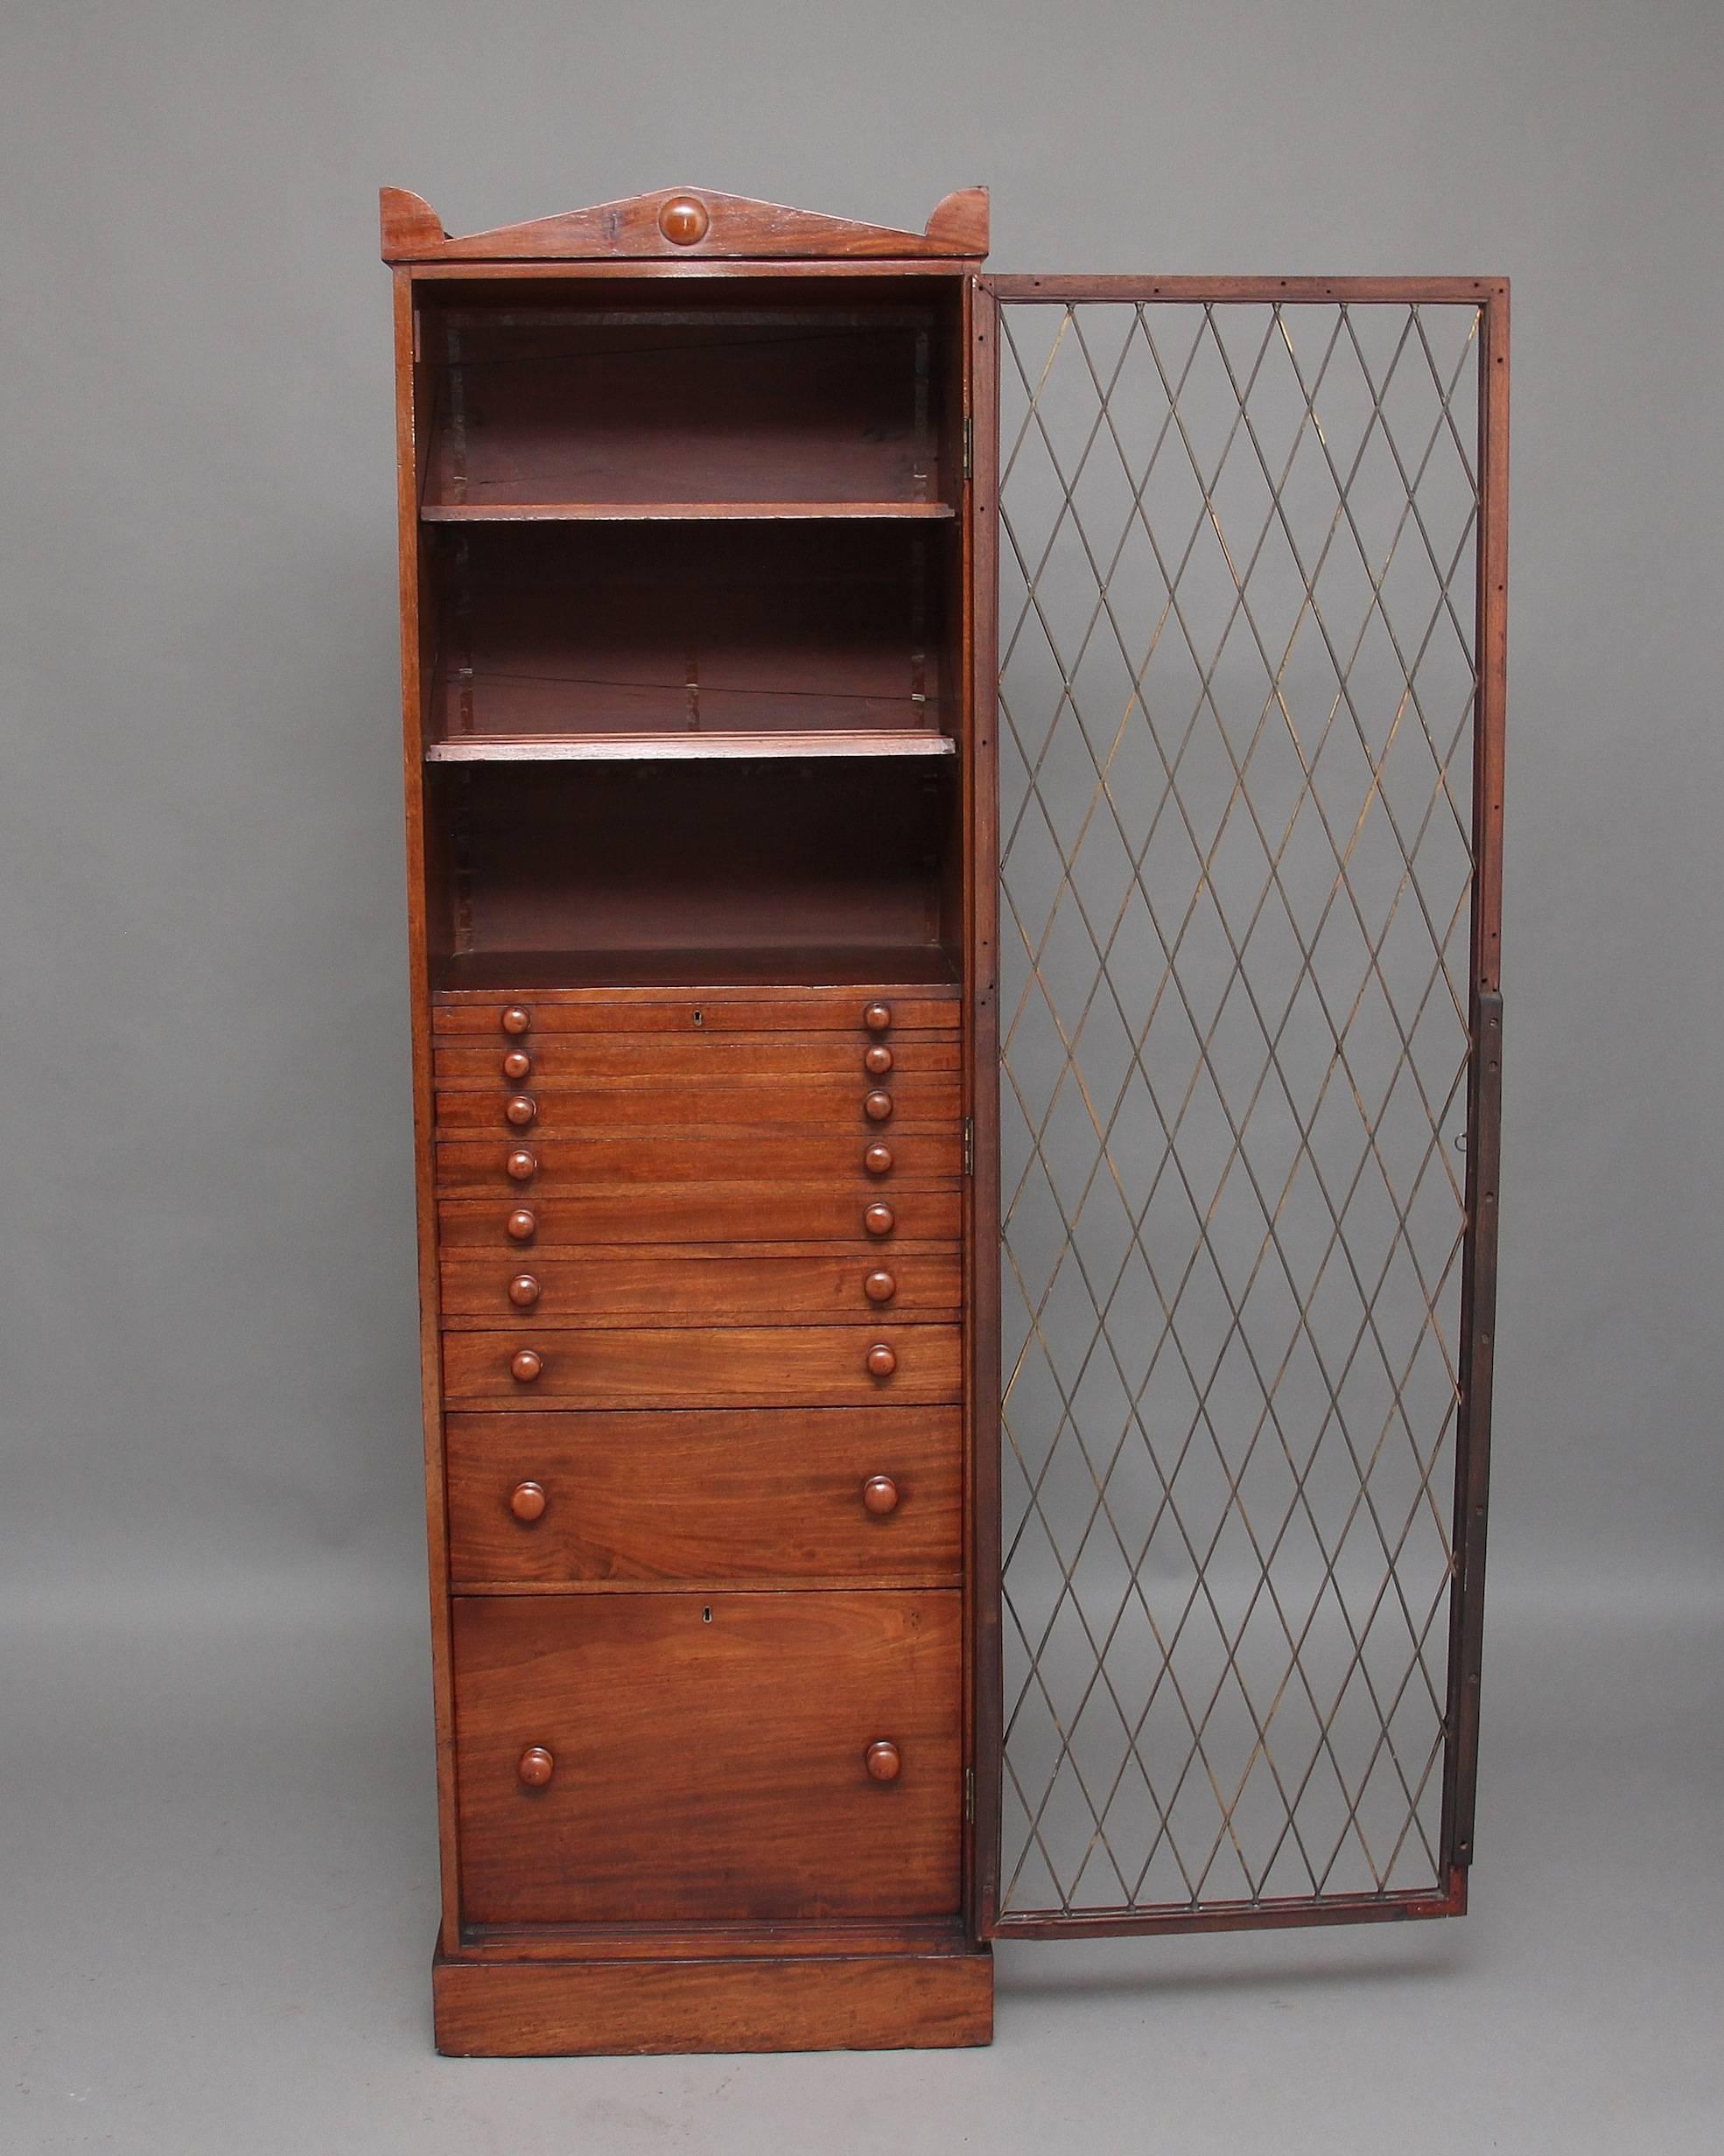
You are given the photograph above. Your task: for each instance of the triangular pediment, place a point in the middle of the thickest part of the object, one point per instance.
(693, 222)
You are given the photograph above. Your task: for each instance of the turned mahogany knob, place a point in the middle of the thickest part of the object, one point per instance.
(683, 219)
(527, 1501)
(515, 1020)
(876, 1106)
(877, 1017)
(525, 1366)
(535, 1766)
(521, 1226)
(517, 1063)
(520, 1108)
(878, 1060)
(881, 1361)
(880, 1493)
(876, 1159)
(880, 1220)
(880, 1287)
(522, 1165)
(884, 1763)
(523, 1291)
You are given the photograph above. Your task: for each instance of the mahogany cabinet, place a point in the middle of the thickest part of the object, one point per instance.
(954, 850)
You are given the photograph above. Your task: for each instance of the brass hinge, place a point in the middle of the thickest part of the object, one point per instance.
(970, 1796)
(969, 448)
(970, 1145)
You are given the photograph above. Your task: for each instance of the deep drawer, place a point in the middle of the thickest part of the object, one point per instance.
(705, 1756)
(790, 1495)
(711, 1284)
(534, 1219)
(705, 1366)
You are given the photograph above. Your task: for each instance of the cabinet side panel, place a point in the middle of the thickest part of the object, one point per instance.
(982, 1050)
(419, 931)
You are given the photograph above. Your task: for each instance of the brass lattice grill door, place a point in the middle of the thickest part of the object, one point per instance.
(1250, 542)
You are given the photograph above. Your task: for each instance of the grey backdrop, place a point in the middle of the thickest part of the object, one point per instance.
(216, 1826)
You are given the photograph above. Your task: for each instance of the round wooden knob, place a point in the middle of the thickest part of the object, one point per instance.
(880, 1220)
(521, 1226)
(683, 219)
(522, 1165)
(877, 1017)
(520, 1108)
(876, 1159)
(880, 1287)
(523, 1291)
(881, 1361)
(515, 1019)
(525, 1366)
(884, 1761)
(517, 1063)
(527, 1501)
(877, 1060)
(880, 1493)
(536, 1767)
(878, 1105)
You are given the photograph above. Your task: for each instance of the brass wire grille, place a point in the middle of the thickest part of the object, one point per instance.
(1238, 685)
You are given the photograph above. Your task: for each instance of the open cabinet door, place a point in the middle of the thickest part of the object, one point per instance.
(1248, 664)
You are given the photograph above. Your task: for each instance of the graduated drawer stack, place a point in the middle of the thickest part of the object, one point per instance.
(701, 1292)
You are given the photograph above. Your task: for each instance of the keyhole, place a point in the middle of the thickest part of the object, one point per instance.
(706, 1616)
(700, 1017)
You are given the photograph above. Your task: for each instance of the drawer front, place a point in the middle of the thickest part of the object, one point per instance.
(636, 1213)
(791, 1495)
(837, 1158)
(705, 1011)
(853, 1104)
(698, 1366)
(705, 1757)
(702, 1059)
(708, 1284)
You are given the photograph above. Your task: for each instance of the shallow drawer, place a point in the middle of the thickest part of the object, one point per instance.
(704, 1366)
(688, 1107)
(645, 1011)
(705, 1757)
(541, 1219)
(702, 1283)
(530, 1161)
(789, 1495)
(701, 1058)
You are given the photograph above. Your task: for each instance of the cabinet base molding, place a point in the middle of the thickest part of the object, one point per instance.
(589, 2007)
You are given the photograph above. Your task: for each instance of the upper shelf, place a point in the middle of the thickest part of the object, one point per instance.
(690, 746)
(649, 512)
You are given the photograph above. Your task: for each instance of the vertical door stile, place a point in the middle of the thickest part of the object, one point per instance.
(1245, 686)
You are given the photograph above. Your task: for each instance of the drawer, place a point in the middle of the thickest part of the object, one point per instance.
(702, 1283)
(656, 1102)
(869, 1495)
(705, 1366)
(611, 1060)
(537, 1220)
(704, 1011)
(840, 1157)
(706, 1756)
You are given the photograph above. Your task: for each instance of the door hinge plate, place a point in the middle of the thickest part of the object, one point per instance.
(970, 1796)
(969, 448)
(970, 1145)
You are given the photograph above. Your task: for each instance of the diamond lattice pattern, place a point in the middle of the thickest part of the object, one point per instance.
(1237, 698)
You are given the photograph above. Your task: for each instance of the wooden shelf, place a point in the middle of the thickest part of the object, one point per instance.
(691, 747)
(877, 965)
(674, 512)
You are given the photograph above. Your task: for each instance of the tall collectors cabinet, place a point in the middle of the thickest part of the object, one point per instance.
(698, 507)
